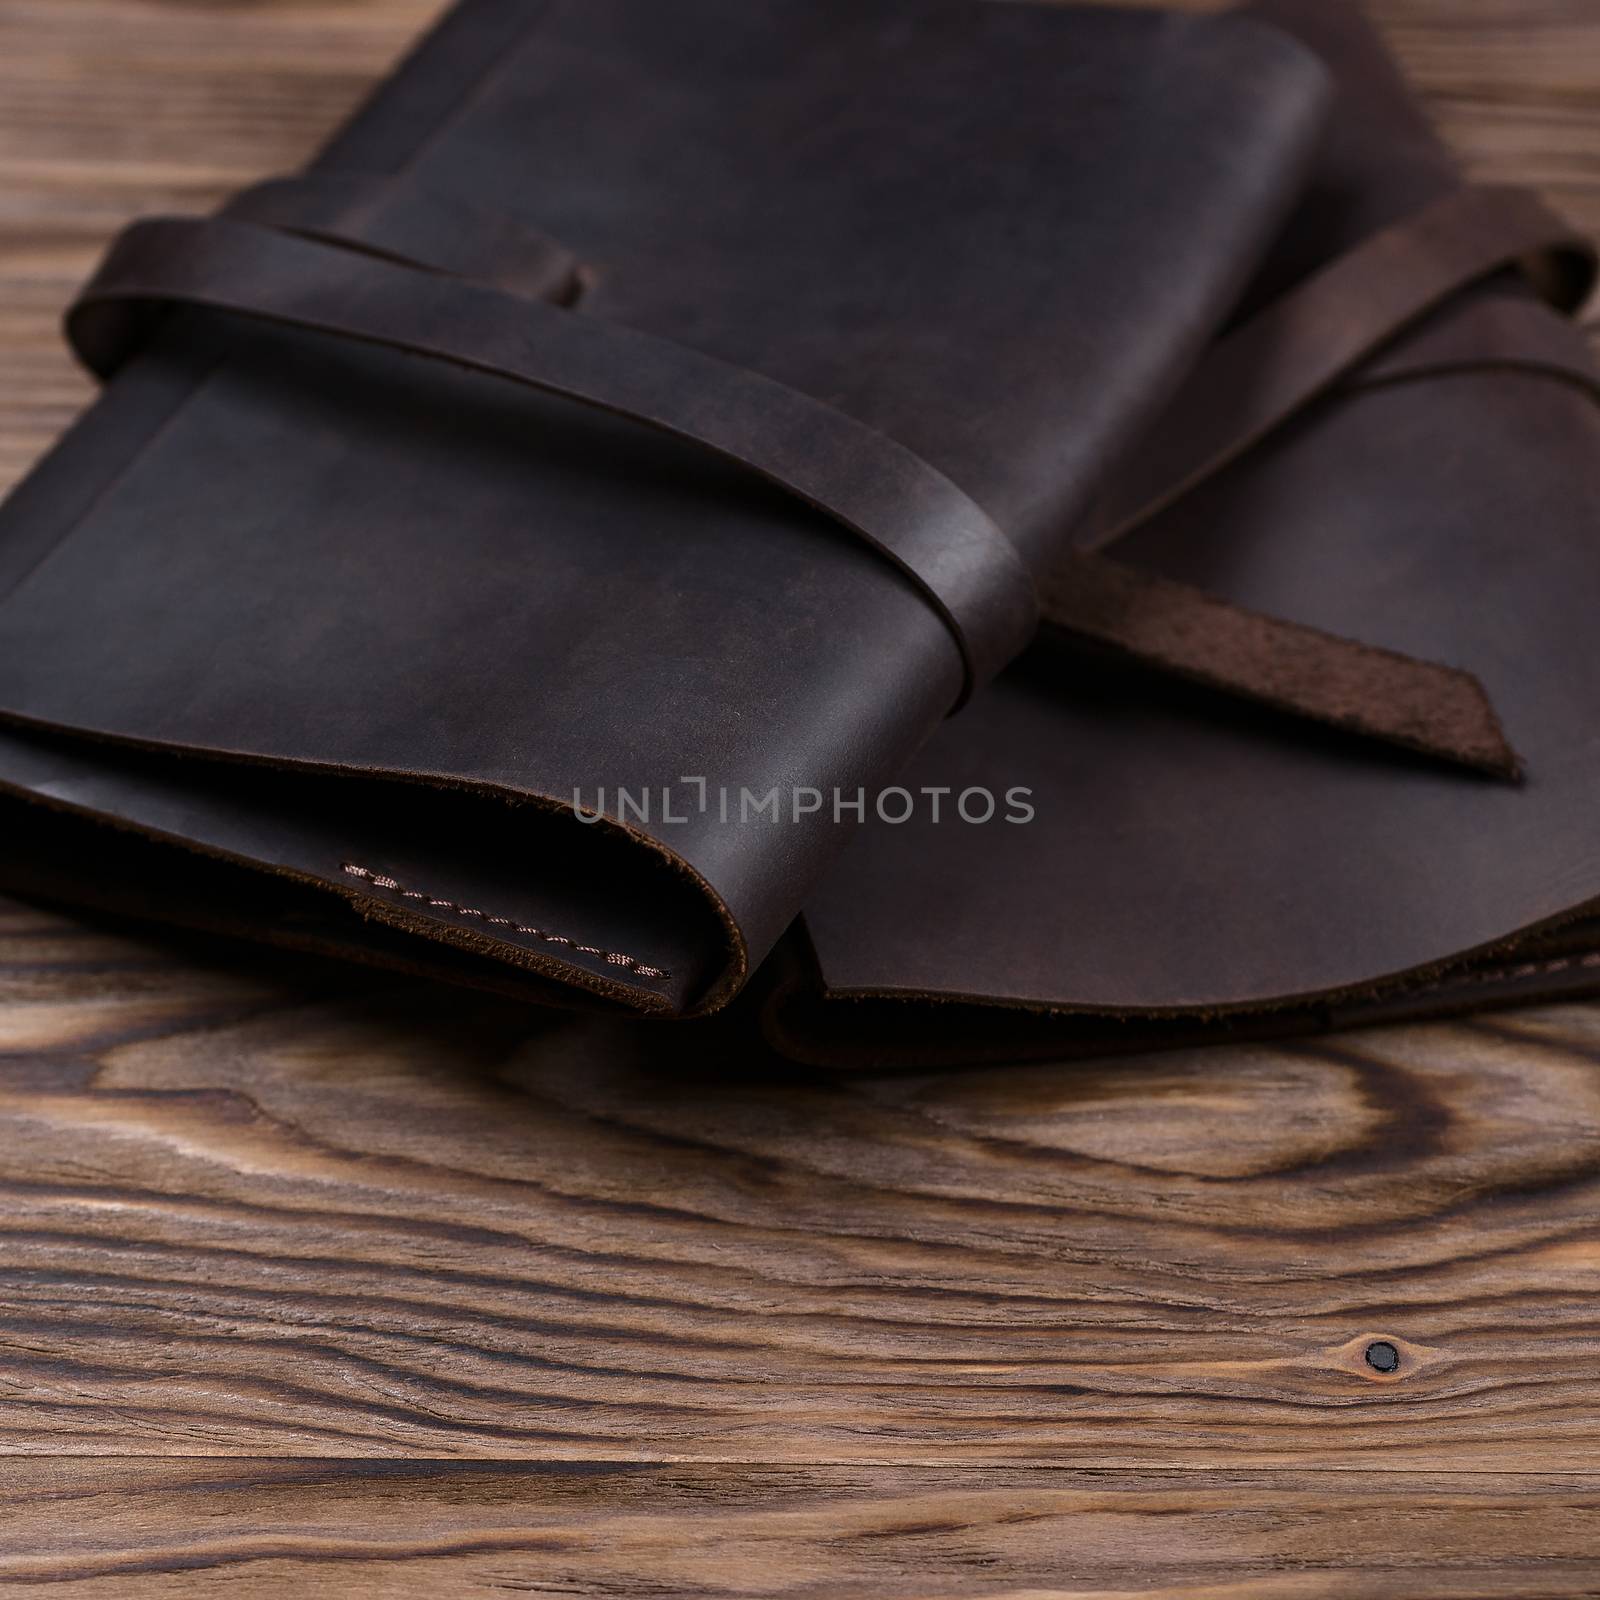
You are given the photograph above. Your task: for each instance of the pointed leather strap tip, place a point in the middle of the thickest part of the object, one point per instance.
(1421, 706)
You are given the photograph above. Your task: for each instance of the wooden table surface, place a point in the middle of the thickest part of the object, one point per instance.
(312, 1282)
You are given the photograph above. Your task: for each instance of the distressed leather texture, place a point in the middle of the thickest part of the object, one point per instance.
(315, 273)
(525, 448)
(1195, 871)
(822, 347)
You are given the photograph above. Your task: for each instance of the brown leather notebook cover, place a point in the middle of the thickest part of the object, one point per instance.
(624, 404)
(632, 394)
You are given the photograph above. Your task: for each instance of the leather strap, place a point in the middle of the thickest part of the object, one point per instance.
(1302, 344)
(398, 218)
(344, 257)
(1270, 369)
(1287, 666)
(906, 509)
(1498, 335)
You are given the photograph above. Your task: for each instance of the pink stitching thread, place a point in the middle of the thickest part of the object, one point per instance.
(615, 958)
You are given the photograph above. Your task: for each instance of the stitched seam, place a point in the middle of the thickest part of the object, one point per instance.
(615, 958)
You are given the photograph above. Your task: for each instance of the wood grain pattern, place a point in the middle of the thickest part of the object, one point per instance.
(476, 1306)
(318, 1282)
(187, 1528)
(115, 108)
(243, 1217)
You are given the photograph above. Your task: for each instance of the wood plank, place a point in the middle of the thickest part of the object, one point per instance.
(360, 1529)
(326, 1215)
